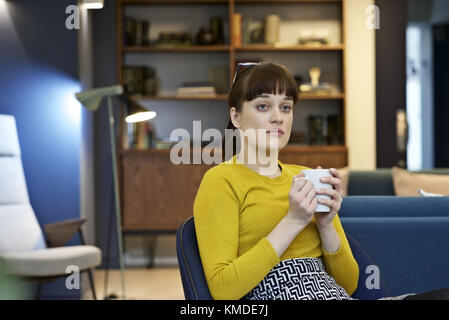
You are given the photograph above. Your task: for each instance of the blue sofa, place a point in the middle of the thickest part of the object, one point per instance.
(378, 182)
(406, 237)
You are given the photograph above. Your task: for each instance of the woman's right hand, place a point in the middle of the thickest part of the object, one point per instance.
(302, 201)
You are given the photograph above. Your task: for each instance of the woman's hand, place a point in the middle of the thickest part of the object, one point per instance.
(324, 219)
(302, 201)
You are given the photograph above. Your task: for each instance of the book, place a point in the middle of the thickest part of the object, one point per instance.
(316, 130)
(335, 130)
(237, 30)
(139, 80)
(196, 84)
(135, 32)
(219, 78)
(140, 135)
(196, 88)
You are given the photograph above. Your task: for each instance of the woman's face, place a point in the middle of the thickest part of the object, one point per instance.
(272, 113)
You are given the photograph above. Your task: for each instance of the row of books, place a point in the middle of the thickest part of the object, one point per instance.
(140, 135)
(136, 32)
(196, 88)
(324, 130)
(247, 30)
(139, 80)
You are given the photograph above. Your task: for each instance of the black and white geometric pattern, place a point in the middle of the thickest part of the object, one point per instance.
(298, 279)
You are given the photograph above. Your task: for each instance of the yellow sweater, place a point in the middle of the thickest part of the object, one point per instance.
(234, 210)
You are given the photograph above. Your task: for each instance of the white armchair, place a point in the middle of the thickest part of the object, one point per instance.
(24, 251)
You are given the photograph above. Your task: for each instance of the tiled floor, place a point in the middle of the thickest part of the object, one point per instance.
(141, 284)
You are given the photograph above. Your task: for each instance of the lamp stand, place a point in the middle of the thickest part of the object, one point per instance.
(116, 193)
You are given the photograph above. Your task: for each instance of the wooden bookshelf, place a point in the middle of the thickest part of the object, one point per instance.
(148, 178)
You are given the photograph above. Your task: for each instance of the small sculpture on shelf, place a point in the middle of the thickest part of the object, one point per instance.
(203, 37)
(314, 38)
(315, 87)
(213, 35)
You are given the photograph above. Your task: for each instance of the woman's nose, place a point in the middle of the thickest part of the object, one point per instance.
(276, 116)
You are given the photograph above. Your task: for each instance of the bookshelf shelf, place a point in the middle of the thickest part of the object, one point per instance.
(289, 48)
(225, 48)
(148, 49)
(339, 96)
(287, 149)
(284, 1)
(164, 2)
(174, 97)
(224, 97)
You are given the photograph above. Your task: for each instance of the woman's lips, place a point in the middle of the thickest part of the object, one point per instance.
(275, 132)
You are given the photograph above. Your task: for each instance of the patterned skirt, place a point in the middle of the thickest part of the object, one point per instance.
(298, 279)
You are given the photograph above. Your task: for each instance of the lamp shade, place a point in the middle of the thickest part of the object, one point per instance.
(137, 113)
(91, 99)
(93, 4)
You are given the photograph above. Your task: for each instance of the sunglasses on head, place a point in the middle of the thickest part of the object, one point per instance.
(243, 66)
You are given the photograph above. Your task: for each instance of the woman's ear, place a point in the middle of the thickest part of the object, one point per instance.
(235, 117)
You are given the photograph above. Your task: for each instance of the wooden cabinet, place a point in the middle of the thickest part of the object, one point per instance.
(158, 195)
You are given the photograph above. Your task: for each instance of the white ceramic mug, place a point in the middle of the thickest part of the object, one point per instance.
(315, 176)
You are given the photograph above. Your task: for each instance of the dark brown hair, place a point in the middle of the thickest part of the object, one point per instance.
(253, 81)
(263, 78)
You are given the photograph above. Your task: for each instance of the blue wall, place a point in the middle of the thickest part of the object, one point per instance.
(38, 79)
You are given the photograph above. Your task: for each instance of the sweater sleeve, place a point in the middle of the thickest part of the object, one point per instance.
(216, 215)
(341, 264)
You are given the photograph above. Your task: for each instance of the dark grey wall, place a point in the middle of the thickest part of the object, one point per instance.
(390, 78)
(105, 74)
(441, 97)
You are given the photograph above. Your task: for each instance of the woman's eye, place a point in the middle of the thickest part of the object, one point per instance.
(286, 108)
(262, 107)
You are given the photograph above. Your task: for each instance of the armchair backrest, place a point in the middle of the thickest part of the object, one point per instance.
(190, 266)
(195, 285)
(19, 228)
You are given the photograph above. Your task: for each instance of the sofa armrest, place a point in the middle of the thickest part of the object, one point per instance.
(392, 206)
(59, 233)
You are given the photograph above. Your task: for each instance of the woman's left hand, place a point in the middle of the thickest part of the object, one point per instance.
(324, 219)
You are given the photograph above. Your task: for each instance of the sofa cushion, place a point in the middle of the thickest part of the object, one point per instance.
(394, 207)
(49, 262)
(407, 184)
(370, 182)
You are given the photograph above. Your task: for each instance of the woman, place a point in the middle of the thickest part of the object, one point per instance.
(258, 234)
(248, 223)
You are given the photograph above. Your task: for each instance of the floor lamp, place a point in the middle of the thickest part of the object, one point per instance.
(91, 99)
